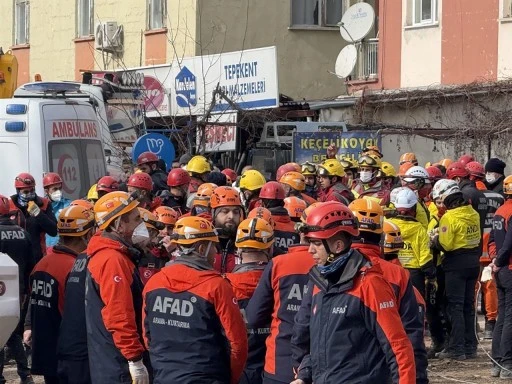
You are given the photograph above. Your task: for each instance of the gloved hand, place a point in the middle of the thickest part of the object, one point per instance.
(27, 337)
(138, 372)
(33, 209)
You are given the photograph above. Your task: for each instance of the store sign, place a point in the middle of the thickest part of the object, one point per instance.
(220, 134)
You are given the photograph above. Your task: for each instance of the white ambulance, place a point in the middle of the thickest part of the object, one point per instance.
(50, 133)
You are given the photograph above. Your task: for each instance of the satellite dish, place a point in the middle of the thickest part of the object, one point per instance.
(346, 61)
(357, 22)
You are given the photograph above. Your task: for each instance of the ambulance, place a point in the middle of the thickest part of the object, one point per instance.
(48, 132)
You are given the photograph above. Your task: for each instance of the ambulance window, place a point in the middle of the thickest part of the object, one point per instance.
(95, 161)
(65, 159)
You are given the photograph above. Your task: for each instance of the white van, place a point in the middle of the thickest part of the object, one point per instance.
(50, 134)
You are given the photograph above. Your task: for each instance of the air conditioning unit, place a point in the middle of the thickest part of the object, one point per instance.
(109, 37)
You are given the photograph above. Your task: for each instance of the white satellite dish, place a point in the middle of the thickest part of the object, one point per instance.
(346, 61)
(357, 22)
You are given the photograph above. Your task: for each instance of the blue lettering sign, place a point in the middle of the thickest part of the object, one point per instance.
(186, 88)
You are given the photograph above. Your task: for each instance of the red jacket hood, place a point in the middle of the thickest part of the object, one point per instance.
(182, 277)
(370, 251)
(99, 243)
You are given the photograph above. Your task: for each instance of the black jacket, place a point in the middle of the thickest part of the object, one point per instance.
(477, 199)
(159, 178)
(497, 186)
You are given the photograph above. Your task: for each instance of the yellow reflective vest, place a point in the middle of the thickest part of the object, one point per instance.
(416, 252)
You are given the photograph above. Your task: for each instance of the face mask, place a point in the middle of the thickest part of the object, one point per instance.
(56, 196)
(24, 198)
(366, 176)
(490, 177)
(140, 235)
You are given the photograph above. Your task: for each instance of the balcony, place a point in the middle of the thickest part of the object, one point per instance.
(366, 68)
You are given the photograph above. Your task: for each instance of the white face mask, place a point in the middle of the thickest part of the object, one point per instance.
(490, 177)
(140, 235)
(366, 176)
(56, 196)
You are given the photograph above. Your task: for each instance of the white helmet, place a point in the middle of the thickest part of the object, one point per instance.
(415, 173)
(444, 188)
(406, 199)
(394, 193)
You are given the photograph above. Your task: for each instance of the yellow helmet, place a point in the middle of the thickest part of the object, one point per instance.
(254, 233)
(369, 161)
(75, 221)
(308, 169)
(387, 169)
(93, 193)
(199, 165)
(348, 163)
(252, 180)
(331, 167)
(113, 205)
(191, 229)
(150, 219)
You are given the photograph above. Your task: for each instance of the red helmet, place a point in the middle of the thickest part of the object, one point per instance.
(475, 169)
(434, 173)
(140, 180)
(4, 206)
(51, 178)
(24, 180)
(230, 175)
(273, 191)
(456, 169)
(107, 184)
(288, 167)
(465, 159)
(327, 220)
(177, 177)
(147, 157)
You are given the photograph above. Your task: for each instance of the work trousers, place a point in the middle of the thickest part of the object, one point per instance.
(502, 336)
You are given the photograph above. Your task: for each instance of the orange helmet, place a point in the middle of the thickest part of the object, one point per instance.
(404, 167)
(288, 167)
(254, 233)
(75, 221)
(507, 185)
(83, 203)
(262, 213)
(372, 150)
(295, 180)
(392, 240)
(191, 229)
(408, 157)
(369, 214)
(295, 206)
(112, 206)
(150, 219)
(225, 197)
(205, 190)
(446, 163)
(327, 220)
(166, 215)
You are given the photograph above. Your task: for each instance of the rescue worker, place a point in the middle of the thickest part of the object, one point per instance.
(500, 247)
(16, 243)
(153, 258)
(369, 184)
(392, 242)
(350, 301)
(72, 354)
(276, 301)
(106, 185)
(250, 185)
(32, 213)
(192, 325)
(350, 167)
(168, 217)
(408, 157)
(143, 184)
(370, 217)
(388, 174)
(477, 174)
(417, 179)
(372, 150)
(147, 162)
(48, 282)
(294, 183)
(272, 197)
(262, 213)
(227, 213)
(288, 167)
(114, 292)
(308, 170)
(295, 207)
(445, 163)
(415, 256)
(254, 240)
(92, 194)
(198, 168)
(459, 237)
(231, 176)
(178, 181)
(495, 174)
(201, 202)
(52, 184)
(330, 182)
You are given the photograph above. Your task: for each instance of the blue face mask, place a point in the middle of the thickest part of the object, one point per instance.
(24, 198)
(335, 265)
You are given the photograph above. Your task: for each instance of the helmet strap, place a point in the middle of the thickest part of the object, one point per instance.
(333, 256)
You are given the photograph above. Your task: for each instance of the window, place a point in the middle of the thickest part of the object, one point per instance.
(21, 22)
(157, 14)
(424, 12)
(318, 13)
(507, 9)
(85, 18)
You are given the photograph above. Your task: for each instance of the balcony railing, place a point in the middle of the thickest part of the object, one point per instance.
(367, 60)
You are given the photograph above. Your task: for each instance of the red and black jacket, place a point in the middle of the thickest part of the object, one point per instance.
(277, 300)
(284, 230)
(48, 282)
(113, 309)
(500, 241)
(244, 279)
(226, 259)
(193, 327)
(336, 192)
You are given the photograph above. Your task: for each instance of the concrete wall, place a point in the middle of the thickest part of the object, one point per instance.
(182, 22)
(305, 57)
(505, 40)
(6, 26)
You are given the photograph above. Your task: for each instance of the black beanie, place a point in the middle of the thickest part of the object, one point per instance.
(495, 165)
(216, 178)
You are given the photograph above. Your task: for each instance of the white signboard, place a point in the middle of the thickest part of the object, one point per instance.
(219, 137)
(249, 78)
